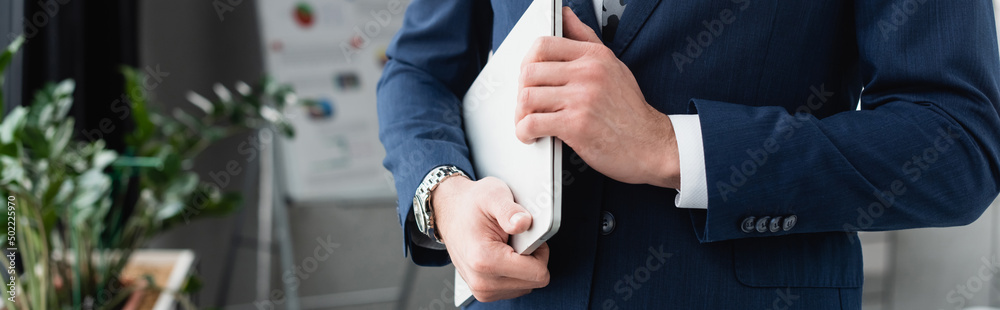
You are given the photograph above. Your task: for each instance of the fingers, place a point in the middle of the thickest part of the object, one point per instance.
(487, 288)
(512, 217)
(575, 29)
(530, 268)
(482, 256)
(500, 273)
(537, 125)
(544, 74)
(555, 49)
(538, 100)
(542, 253)
(577, 39)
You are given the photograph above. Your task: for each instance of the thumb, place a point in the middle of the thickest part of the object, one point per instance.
(512, 217)
(575, 29)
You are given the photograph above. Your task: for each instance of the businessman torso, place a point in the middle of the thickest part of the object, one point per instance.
(790, 170)
(754, 52)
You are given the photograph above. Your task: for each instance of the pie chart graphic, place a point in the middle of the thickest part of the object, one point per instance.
(303, 15)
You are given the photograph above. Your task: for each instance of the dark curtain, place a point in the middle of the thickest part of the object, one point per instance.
(89, 42)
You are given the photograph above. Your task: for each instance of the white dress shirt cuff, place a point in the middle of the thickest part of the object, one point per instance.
(693, 193)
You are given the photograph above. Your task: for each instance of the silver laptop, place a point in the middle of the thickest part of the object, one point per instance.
(533, 171)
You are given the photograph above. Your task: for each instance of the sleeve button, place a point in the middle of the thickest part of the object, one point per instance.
(762, 224)
(789, 222)
(748, 224)
(775, 224)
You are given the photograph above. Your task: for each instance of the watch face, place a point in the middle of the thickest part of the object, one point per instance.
(418, 214)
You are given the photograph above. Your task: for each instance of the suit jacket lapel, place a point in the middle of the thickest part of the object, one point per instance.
(635, 15)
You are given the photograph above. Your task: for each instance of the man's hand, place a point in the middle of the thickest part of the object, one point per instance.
(574, 88)
(474, 219)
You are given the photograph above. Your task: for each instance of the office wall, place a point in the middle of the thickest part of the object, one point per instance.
(189, 39)
(946, 268)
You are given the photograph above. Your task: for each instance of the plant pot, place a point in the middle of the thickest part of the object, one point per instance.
(169, 269)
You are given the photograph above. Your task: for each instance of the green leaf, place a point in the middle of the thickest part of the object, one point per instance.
(185, 184)
(62, 137)
(62, 100)
(208, 201)
(169, 209)
(9, 149)
(64, 193)
(170, 129)
(92, 186)
(102, 159)
(269, 85)
(171, 169)
(35, 140)
(144, 128)
(244, 89)
(177, 191)
(270, 114)
(8, 54)
(81, 215)
(12, 170)
(224, 94)
(213, 133)
(192, 285)
(5, 59)
(64, 89)
(44, 184)
(100, 212)
(286, 129)
(11, 124)
(44, 115)
(228, 203)
(200, 102)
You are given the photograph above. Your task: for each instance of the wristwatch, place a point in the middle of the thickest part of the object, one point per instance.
(423, 211)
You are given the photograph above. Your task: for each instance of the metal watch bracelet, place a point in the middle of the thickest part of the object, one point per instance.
(423, 211)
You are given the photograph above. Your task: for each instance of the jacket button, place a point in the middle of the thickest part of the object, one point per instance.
(762, 224)
(789, 222)
(607, 223)
(747, 225)
(775, 224)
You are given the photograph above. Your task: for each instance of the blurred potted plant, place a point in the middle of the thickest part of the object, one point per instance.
(67, 198)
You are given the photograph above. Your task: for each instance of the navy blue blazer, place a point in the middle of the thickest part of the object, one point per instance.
(793, 168)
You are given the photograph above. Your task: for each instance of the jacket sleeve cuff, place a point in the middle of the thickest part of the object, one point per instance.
(406, 187)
